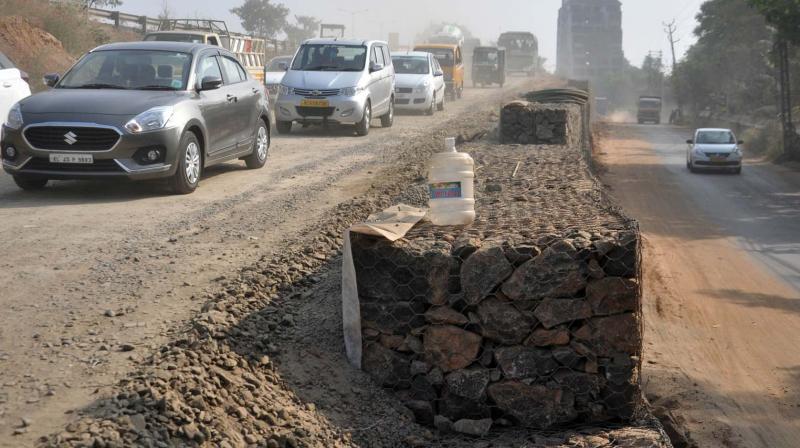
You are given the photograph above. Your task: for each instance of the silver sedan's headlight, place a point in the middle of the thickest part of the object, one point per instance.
(423, 87)
(150, 120)
(14, 120)
(285, 90)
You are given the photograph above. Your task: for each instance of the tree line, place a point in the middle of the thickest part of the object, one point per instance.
(734, 67)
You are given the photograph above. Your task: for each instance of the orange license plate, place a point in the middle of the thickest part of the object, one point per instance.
(314, 103)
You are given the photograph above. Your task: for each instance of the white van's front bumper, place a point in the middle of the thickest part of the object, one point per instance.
(340, 109)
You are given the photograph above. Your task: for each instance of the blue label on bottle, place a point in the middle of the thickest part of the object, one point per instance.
(445, 190)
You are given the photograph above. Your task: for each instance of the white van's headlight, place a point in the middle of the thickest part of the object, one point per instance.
(150, 120)
(284, 90)
(14, 120)
(423, 87)
(351, 91)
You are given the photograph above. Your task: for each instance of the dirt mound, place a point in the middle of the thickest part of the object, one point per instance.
(31, 48)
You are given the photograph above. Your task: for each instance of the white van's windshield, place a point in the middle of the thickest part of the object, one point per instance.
(330, 57)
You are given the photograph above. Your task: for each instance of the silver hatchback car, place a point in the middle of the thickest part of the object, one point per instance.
(337, 81)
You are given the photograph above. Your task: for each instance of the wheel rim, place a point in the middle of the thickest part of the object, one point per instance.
(262, 144)
(367, 117)
(192, 163)
(391, 112)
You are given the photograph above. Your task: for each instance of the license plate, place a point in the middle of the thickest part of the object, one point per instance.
(718, 159)
(71, 158)
(314, 103)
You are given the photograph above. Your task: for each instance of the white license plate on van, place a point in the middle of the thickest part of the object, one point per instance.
(72, 158)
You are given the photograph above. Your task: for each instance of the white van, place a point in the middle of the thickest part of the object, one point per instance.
(337, 81)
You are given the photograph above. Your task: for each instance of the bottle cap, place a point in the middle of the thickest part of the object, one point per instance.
(450, 144)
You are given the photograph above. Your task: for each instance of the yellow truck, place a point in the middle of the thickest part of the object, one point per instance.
(451, 58)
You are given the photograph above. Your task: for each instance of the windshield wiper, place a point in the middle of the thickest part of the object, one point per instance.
(155, 87)
(98, 85)
(323, 67)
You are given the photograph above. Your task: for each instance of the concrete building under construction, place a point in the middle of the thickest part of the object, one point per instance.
(590, 39)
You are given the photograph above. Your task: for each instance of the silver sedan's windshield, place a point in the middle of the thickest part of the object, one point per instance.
(130, 70)
(715, 138)
(411, 65)
(330, 57)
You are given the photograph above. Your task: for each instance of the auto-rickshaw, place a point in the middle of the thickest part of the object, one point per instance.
(488, 66)
(452, 62)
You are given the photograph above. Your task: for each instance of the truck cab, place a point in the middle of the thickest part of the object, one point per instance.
(250, 51)
(451, 59)
(197, 37)
(649, 109)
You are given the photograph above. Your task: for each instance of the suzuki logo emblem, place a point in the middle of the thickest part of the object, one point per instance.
(70, 138)
(316, 93)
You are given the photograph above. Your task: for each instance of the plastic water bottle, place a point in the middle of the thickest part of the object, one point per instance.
(451, 182)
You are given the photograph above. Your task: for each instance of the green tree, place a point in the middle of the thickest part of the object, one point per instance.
(305, 27)
(784, 15)
(261, 17)
(729, 69)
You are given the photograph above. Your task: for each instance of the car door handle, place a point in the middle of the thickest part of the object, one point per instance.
(256, 91)
(232, 98)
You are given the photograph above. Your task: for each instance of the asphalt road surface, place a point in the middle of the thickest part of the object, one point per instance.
(722, 291)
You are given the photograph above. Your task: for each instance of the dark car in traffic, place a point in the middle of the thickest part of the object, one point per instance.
(141, 110)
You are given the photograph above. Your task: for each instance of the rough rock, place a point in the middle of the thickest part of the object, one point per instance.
(502, 322)
(423, 411)
(393, 317)
(387, 367)
(554, 312)
(553, 274)
(469, 383)
(616, 334)
(484, 271)
(525, 362)
(476, 428)
(543, 337)
(446, 315)
(534, 406)
(613, 295)
(451, 348)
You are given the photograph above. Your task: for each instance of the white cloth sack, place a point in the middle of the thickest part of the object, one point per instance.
(393, 223)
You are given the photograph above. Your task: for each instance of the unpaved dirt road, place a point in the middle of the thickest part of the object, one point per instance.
(94, 275)
(722, 273)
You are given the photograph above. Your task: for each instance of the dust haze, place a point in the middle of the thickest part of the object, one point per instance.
(642, 19)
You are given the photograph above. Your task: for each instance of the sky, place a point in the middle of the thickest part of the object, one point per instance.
(643, 29)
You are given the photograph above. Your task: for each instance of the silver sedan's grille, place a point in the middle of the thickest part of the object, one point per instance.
(317, 92)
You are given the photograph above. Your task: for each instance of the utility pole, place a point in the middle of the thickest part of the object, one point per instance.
(789, 134)
(670, 29)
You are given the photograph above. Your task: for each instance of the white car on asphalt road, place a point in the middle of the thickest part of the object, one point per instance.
(13, 87)
(419, 82)
(714, 149)
(273, 74)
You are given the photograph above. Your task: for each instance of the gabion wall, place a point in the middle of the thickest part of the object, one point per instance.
(530, 317)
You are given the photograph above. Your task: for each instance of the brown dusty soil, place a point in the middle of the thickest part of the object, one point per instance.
(99, 275)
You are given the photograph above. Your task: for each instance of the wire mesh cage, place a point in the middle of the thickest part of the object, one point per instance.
(529, 318)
